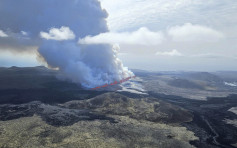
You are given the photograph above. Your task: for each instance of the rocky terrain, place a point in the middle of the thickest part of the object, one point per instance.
(107, 120)
(171, 109)
(149, 109)
(190, 85)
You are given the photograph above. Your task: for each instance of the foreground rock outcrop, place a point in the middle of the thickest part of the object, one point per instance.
(107, 120)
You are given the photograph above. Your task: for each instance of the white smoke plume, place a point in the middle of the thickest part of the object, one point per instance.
(54, 26)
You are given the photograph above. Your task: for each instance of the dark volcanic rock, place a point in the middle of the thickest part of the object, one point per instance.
(183, 83)
(53, 115)
(143, 109)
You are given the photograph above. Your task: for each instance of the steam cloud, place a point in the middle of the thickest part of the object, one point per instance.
(55, 26)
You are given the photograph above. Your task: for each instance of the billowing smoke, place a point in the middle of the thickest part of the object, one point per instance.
(55, 26)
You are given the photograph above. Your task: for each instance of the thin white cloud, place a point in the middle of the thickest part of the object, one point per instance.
(174, 52)
(63, 33)
(212, 56)
(130, 14)
(190, 32)
(134, 13)
(142, 36)
(3, 34)
(24, 33)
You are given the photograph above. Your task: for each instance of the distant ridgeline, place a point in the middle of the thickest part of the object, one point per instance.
(114, 83)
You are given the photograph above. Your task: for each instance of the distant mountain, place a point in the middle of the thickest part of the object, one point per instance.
(183, 83)
(227, 75)
(204, 76)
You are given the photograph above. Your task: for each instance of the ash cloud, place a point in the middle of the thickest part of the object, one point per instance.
(54, 26)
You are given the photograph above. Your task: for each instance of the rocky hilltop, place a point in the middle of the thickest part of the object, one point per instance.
(107, 120)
